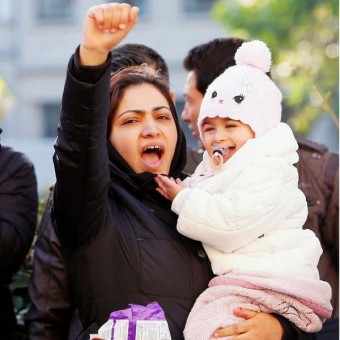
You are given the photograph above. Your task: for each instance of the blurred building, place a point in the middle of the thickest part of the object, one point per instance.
(37, 38)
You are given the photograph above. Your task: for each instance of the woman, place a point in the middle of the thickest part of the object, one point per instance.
(119, 235)
(52, 314)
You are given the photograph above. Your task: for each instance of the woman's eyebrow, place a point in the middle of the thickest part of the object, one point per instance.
(139, 111)
(131, 111)
(157, 108)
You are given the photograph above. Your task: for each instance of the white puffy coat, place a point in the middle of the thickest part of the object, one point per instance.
(249, 215)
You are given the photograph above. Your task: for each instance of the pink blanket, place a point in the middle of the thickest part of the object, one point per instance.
(304, 302)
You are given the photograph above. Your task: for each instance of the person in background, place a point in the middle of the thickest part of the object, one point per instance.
(18, 218)
(318, 168)
(117, 232)
(52, 314)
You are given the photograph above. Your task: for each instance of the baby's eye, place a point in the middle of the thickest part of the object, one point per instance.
(207, 128)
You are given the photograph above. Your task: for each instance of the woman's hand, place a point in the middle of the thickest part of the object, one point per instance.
(257, 326)
(105, 27)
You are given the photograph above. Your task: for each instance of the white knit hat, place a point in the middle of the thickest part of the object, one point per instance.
(244, 92)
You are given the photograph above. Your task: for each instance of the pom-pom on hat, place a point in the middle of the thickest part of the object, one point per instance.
(244, 92)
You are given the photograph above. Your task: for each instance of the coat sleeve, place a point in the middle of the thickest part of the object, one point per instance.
(18, 208)
(257, 201)
(81, 160)
(51, 309)
(292, 332)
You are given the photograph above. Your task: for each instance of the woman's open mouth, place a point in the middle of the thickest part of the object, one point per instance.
(152, 156)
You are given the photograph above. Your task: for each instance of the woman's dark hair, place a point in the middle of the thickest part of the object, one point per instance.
(136, 75)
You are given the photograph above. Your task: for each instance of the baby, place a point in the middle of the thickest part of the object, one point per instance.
(243, 203)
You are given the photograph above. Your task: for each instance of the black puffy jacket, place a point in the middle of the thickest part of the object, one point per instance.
(119, 249)
(18, 214)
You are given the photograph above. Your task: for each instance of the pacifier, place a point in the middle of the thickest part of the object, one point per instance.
(216, 160)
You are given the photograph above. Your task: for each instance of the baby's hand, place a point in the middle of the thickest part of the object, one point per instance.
(169, 188)
(105, 27)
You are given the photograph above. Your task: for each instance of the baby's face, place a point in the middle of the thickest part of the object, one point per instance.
(225, 133)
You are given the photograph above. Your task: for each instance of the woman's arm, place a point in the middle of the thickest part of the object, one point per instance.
(80, 160)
